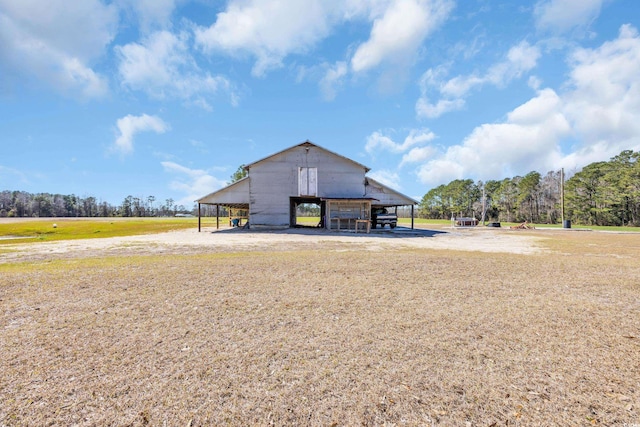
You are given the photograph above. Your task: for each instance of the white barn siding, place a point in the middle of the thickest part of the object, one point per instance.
(274, 181)
(269, 200)
(382, 197)
(234, 194)
(338, 177)
(385, 196)
(306, 173)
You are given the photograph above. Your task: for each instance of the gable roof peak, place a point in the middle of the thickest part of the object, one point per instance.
(308, 144)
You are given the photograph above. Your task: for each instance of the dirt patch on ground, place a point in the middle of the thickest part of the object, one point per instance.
(235, 239)
(234, 328)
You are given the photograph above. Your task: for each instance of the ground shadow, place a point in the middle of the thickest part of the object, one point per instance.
(398, 232)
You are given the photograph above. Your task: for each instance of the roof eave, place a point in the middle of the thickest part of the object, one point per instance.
(307, 143)
(220, 190)
(413, 201)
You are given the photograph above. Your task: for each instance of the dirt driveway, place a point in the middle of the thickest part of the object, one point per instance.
(238, 240)
(305, 327)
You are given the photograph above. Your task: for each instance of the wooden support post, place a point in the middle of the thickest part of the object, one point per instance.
(217, 217)
(199, 215)
(412, 216)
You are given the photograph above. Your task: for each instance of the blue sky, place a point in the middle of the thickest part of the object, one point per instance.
(168, 97)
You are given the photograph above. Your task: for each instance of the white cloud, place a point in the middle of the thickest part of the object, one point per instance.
(162, 67)
(268, 30)
(560, 16)
(152, 13)
(74, 75)
(418, 155)
(530, 136)
(332, 79)
(129, 126)
(56, 43)
(82, 29)
(386, 177)
(398, 33)
(433, 78)
(597, 114)
(520, 59)
(534, 82)
(441, 171)
(377, 142)
(604, 101)
(194, 183)
(428, 110)
(460, 85)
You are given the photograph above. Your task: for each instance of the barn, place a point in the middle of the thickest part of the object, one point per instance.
(308, 174)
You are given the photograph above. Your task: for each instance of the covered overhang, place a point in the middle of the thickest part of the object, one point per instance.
(233, 196)
(387, 197)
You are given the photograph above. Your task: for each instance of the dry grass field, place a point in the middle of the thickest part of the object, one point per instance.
(325, 333)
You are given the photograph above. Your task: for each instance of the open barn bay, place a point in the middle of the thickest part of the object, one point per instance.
(321, 331)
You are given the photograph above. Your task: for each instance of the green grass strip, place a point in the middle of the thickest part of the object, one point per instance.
(54, 229)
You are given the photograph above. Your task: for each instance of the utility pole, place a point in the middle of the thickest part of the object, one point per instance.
(562, 194)
(484, 204)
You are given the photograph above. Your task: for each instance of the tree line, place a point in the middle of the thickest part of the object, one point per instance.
(24, 204)
(602, 193)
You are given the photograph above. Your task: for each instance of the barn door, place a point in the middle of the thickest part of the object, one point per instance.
(308, 182)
